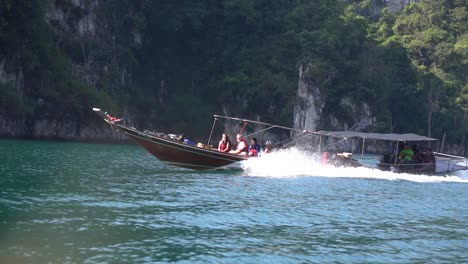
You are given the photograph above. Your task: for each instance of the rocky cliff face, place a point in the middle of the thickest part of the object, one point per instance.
(75, 23)
(308, 111)
(396, 5)
(360, 112)
(52, 129)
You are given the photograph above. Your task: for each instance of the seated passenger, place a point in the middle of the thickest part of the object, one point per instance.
(268, 147)
(254, 148)
(419, 158)
(429, 160)
(415, 148)
(224, 144)
(406, 155)
(242, 147)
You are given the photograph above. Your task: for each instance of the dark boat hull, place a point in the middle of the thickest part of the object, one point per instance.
(178, 153)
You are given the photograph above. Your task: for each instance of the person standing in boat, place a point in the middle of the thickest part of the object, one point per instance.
(224, 144)
(254, 148)
(242, 147)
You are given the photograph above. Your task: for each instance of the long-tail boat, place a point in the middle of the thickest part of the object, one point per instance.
(177, 151)
(441, 164)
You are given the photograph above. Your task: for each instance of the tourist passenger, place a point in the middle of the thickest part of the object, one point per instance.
(254, 148)
(419, 158)
(415, 148)
(406, 155)
(224, 144)
(429, 160)
(242, 146)
(268, 147)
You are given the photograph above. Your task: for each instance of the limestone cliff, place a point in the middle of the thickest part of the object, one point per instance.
(74, 29)
(396, 5)
(308, 110)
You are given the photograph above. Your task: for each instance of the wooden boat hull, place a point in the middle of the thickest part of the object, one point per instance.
(179, 153)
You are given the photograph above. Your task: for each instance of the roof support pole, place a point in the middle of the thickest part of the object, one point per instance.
(396, 152)
(363, 145)
(320, 143)
(211, 133)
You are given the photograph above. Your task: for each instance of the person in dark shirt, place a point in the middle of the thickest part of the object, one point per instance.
(429, 160)
(254, 148)
(419, 159)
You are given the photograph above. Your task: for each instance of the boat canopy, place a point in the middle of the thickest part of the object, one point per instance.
(377, 136)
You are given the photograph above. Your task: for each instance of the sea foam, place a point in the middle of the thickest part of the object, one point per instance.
(296, 163)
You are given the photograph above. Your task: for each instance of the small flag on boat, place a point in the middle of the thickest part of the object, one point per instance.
(114, 119)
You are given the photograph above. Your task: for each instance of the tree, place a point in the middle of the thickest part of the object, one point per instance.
(429, 31)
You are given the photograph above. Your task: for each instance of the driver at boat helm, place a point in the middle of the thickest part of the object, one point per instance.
(242, 147)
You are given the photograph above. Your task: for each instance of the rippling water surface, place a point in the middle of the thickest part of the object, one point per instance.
(85, 203)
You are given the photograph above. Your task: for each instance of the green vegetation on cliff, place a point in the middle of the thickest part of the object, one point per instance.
(172, 64)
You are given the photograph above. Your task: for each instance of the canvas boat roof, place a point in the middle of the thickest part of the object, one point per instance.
(261, 123)
(344, 134)
(377, 136)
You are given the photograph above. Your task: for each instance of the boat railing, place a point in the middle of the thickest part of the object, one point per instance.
(446, 162)
(447, 156)
(370, 162)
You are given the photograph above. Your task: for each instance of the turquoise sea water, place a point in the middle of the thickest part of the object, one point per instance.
(66, 202)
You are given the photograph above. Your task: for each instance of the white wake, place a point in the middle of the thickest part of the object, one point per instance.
(295, 163)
